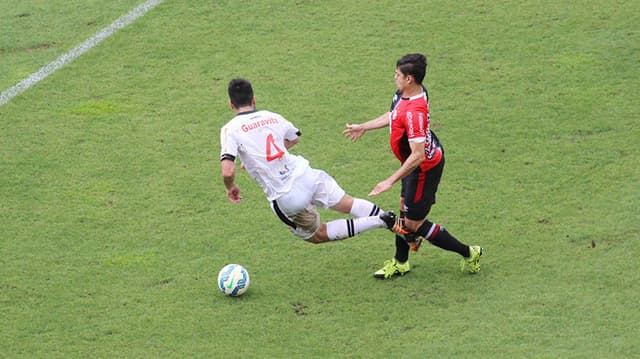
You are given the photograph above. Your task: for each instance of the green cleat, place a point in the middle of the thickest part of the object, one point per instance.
(472, 264)
(392, 267)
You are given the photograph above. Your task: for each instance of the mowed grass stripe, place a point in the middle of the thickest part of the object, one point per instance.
(121, 22)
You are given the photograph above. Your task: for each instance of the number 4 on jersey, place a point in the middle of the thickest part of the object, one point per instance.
(273, 151)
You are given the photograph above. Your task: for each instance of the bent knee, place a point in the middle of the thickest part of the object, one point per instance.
(412, 225)
(319, 237)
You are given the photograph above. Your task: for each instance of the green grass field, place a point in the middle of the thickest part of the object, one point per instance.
(114, 222)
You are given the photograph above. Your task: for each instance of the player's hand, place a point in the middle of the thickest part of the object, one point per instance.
(354, 131)
(233, 194)
(380, 188)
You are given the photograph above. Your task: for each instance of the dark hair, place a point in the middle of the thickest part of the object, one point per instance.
(414, 65)
(240, 92)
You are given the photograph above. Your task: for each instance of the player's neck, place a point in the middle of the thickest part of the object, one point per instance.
(411, 91)
(245, 109)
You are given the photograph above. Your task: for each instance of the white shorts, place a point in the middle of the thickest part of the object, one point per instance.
(298, 208)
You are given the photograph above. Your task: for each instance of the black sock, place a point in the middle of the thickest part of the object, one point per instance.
(402, 250)
(443, 239)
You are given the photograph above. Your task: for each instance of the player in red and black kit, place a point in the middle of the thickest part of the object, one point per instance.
(422, 160)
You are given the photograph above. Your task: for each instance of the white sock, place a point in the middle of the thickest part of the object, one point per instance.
(345, 228)
(364, 208)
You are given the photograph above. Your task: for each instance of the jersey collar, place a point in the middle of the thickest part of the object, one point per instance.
(245, 112)
(421, 94)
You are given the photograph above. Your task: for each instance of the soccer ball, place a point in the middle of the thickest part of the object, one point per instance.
(233, 280)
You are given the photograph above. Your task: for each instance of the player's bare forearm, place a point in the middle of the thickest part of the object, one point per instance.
(355, 131)
(412, 162)
(407, 167)
(228, 168)
(388, 183)
(229, 182)
(378, 122)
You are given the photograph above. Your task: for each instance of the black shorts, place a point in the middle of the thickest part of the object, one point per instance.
(419, 191)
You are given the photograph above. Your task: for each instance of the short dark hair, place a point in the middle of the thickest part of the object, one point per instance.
(414, 65)
(240, 92)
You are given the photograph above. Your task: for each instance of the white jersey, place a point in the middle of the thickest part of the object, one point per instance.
(257, 137)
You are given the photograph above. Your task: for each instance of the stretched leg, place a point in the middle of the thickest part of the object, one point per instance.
(366, 214)
(357, 207)
(440, 237)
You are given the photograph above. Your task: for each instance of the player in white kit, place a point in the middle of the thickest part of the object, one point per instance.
(261, 139)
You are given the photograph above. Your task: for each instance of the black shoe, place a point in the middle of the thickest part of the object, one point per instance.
(393, 222)
(396, 225)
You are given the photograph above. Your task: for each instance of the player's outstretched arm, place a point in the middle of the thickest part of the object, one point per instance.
(355, 131)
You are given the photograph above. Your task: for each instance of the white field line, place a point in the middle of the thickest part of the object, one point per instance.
(121, 22)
